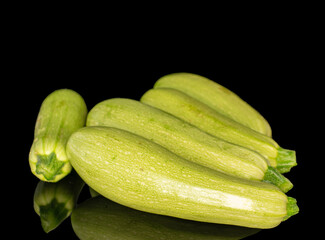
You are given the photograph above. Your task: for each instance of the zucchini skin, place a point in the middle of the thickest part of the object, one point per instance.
(207, 119)
(217, 97)
(61, 113)
(99, 218)
(179, 137)
(141, 174)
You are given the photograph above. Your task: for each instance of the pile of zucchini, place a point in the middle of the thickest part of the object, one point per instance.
(190, 152)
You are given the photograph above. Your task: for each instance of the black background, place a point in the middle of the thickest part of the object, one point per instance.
(273, 73)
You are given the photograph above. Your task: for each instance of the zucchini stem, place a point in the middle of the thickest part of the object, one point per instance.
(273, 176)
(49, 166)
(286, 159)
(292, 208)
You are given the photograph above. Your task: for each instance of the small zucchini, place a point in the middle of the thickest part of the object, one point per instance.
(138, 173)
(62, 112)
(101, 219)
(217, 97)
(54, 202)
(207, 119)
(184, 140)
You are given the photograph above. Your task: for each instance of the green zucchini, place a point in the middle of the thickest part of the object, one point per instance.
(217, 97)
(207, 119)
(101, 219)
(54, 202)
(138, 173)
(62, 112)
(184, 139)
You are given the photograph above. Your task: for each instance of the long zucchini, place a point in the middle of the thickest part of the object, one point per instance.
(217, 97)
(207, 119)
(101, 219)
(62, 112)
(141, 174)
(184, 139)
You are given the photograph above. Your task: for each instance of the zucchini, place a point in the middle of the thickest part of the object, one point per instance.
(184, 139)
(62, 112)
(99, 218)
(217, 97)
(54, 202)
(138, 173)
(207, 119)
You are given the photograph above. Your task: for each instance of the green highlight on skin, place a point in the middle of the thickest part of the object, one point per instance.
(286, 159)
(49, 166)
(273, 176)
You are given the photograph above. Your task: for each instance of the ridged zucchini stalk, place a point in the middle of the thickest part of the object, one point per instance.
(207, 119)
(185, 140)
(62, 112)
(54, 202)
(101, 219)
(217, 97)
(138, 173)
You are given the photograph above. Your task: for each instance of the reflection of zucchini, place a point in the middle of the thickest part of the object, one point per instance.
(54, 202)
(185, 140)
(62, 112)
(202, 116)
(93, 193)
(217, 97)
(141, 174)
(99, 218)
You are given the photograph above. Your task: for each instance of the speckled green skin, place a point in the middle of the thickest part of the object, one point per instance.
(101, 219)
(202, 116)
(217, 97)
(140, 174)
(62, 112)
(179, 137)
